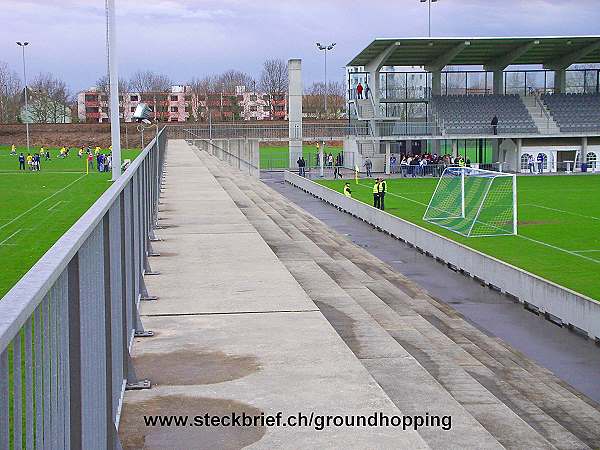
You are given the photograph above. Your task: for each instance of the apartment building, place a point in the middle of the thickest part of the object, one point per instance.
(180, 105)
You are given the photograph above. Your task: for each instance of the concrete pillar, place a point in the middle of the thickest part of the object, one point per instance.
(295, 110)
(435, 146)
(560, 81)
(498, 82)
(454, 148)
(436, 82)
(388, 147)
(375, 86)
(584, 149)
(518, 154)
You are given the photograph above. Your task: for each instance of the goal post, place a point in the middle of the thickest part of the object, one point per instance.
(474, 202)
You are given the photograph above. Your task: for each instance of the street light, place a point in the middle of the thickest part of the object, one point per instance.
(113, 76)
(23, 45)
(325, 48)
(429, 2)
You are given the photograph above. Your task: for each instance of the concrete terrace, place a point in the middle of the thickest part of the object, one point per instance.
(263, 308)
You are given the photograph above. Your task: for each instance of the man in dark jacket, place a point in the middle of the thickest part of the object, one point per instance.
(301, 165)
(495, 125)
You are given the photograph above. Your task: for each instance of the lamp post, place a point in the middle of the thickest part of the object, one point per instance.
(325, 48)
(115, 126)
(429, 2)
(23, 45)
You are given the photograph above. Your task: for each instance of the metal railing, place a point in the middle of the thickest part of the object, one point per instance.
(310, 131)
(247, 159)
(67, 326)
(400, 128)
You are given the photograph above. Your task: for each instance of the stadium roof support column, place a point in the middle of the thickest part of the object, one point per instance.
(436, 66)
(560, 81)
(501, 62)
(295, 109)
(375, 66)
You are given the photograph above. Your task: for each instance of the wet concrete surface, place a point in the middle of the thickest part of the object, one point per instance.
(135, 435)
(571, 357)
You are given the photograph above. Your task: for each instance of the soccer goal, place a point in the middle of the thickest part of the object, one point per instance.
(474, 202)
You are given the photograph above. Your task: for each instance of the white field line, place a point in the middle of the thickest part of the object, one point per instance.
(518, 235)
(41, 202)
(11, 236)
(22, 172)
(562, 211)
(586, 251)
(55, 205)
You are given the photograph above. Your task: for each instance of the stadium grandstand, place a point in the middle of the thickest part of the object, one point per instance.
(445, 95)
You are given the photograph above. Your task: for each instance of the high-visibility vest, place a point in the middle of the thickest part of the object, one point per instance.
(383, 187)
(376, 188)
(347, 191)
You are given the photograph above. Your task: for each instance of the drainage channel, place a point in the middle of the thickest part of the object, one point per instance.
(571, 357)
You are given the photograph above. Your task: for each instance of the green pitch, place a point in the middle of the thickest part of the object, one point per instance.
(36, 208)
(559, 225)
(279, 157)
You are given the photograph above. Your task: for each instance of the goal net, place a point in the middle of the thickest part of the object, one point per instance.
(474, 202)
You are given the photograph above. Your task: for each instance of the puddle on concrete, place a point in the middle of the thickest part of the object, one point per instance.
(185, 367)
(136, 435)
(343, 324)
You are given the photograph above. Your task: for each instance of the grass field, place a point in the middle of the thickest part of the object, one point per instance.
(277, 157)
(559, 225)
(36, 208)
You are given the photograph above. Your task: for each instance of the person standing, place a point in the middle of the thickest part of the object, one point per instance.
(301, 164)
(367, 90)
(90, 160)
(347, 191)
(382, 192)
(368, 165)
(21, 161)
(359, 91)
(13, 150)
(530, 164)
(376, 194)
(494, 124)
(540, 162)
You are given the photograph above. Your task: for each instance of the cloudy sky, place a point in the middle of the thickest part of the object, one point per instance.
(188, 38)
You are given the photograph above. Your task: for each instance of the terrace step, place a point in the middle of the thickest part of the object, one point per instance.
(390, 323)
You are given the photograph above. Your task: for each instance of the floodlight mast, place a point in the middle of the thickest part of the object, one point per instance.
(115, 126)
(429, 2)
(23, 45)
(325, 48)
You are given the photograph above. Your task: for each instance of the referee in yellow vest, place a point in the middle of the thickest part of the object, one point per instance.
(382, 192)
(376, 196)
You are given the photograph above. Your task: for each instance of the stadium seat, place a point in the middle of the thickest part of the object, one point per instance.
(574, 112)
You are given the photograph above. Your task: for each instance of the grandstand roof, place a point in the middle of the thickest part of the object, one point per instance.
(493, 52)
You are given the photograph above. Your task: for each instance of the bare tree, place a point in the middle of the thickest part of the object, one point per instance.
(10, 91)
(336, 99)
(274, 77)
(201, 88)
(103, 85)
(144, 81)
(49, 99)
(231, 79)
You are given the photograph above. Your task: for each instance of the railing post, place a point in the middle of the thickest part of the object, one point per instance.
(74, 324)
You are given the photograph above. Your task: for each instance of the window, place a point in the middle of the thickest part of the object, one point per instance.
(188, 98)
(91, 98)
(132, 109)
(240, 98)
(174, 98)
(253, 98)
(90, 109)
(265, 98)
(187, 109)
(133, 98)
(104, 98)
(174, 109)
(279, 108)
(173, 119)
(253, 108)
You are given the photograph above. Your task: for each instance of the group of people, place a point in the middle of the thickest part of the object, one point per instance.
(379, 191)
(33, 161)
(360, 90)
(329, 161)
(540, 163)
(417, 165)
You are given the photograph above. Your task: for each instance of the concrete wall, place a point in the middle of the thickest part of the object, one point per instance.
(557, 303)
(242, 154)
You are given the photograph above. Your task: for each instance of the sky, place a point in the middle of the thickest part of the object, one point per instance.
(193, 38)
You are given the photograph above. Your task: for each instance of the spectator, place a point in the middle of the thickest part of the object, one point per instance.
(359, 91)
(393, 164)
(540, 162)
(367, 90)
(530, 164)
(495, 125)
(21, 161)
(301, 165)
(368, 165)
(404, 165)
